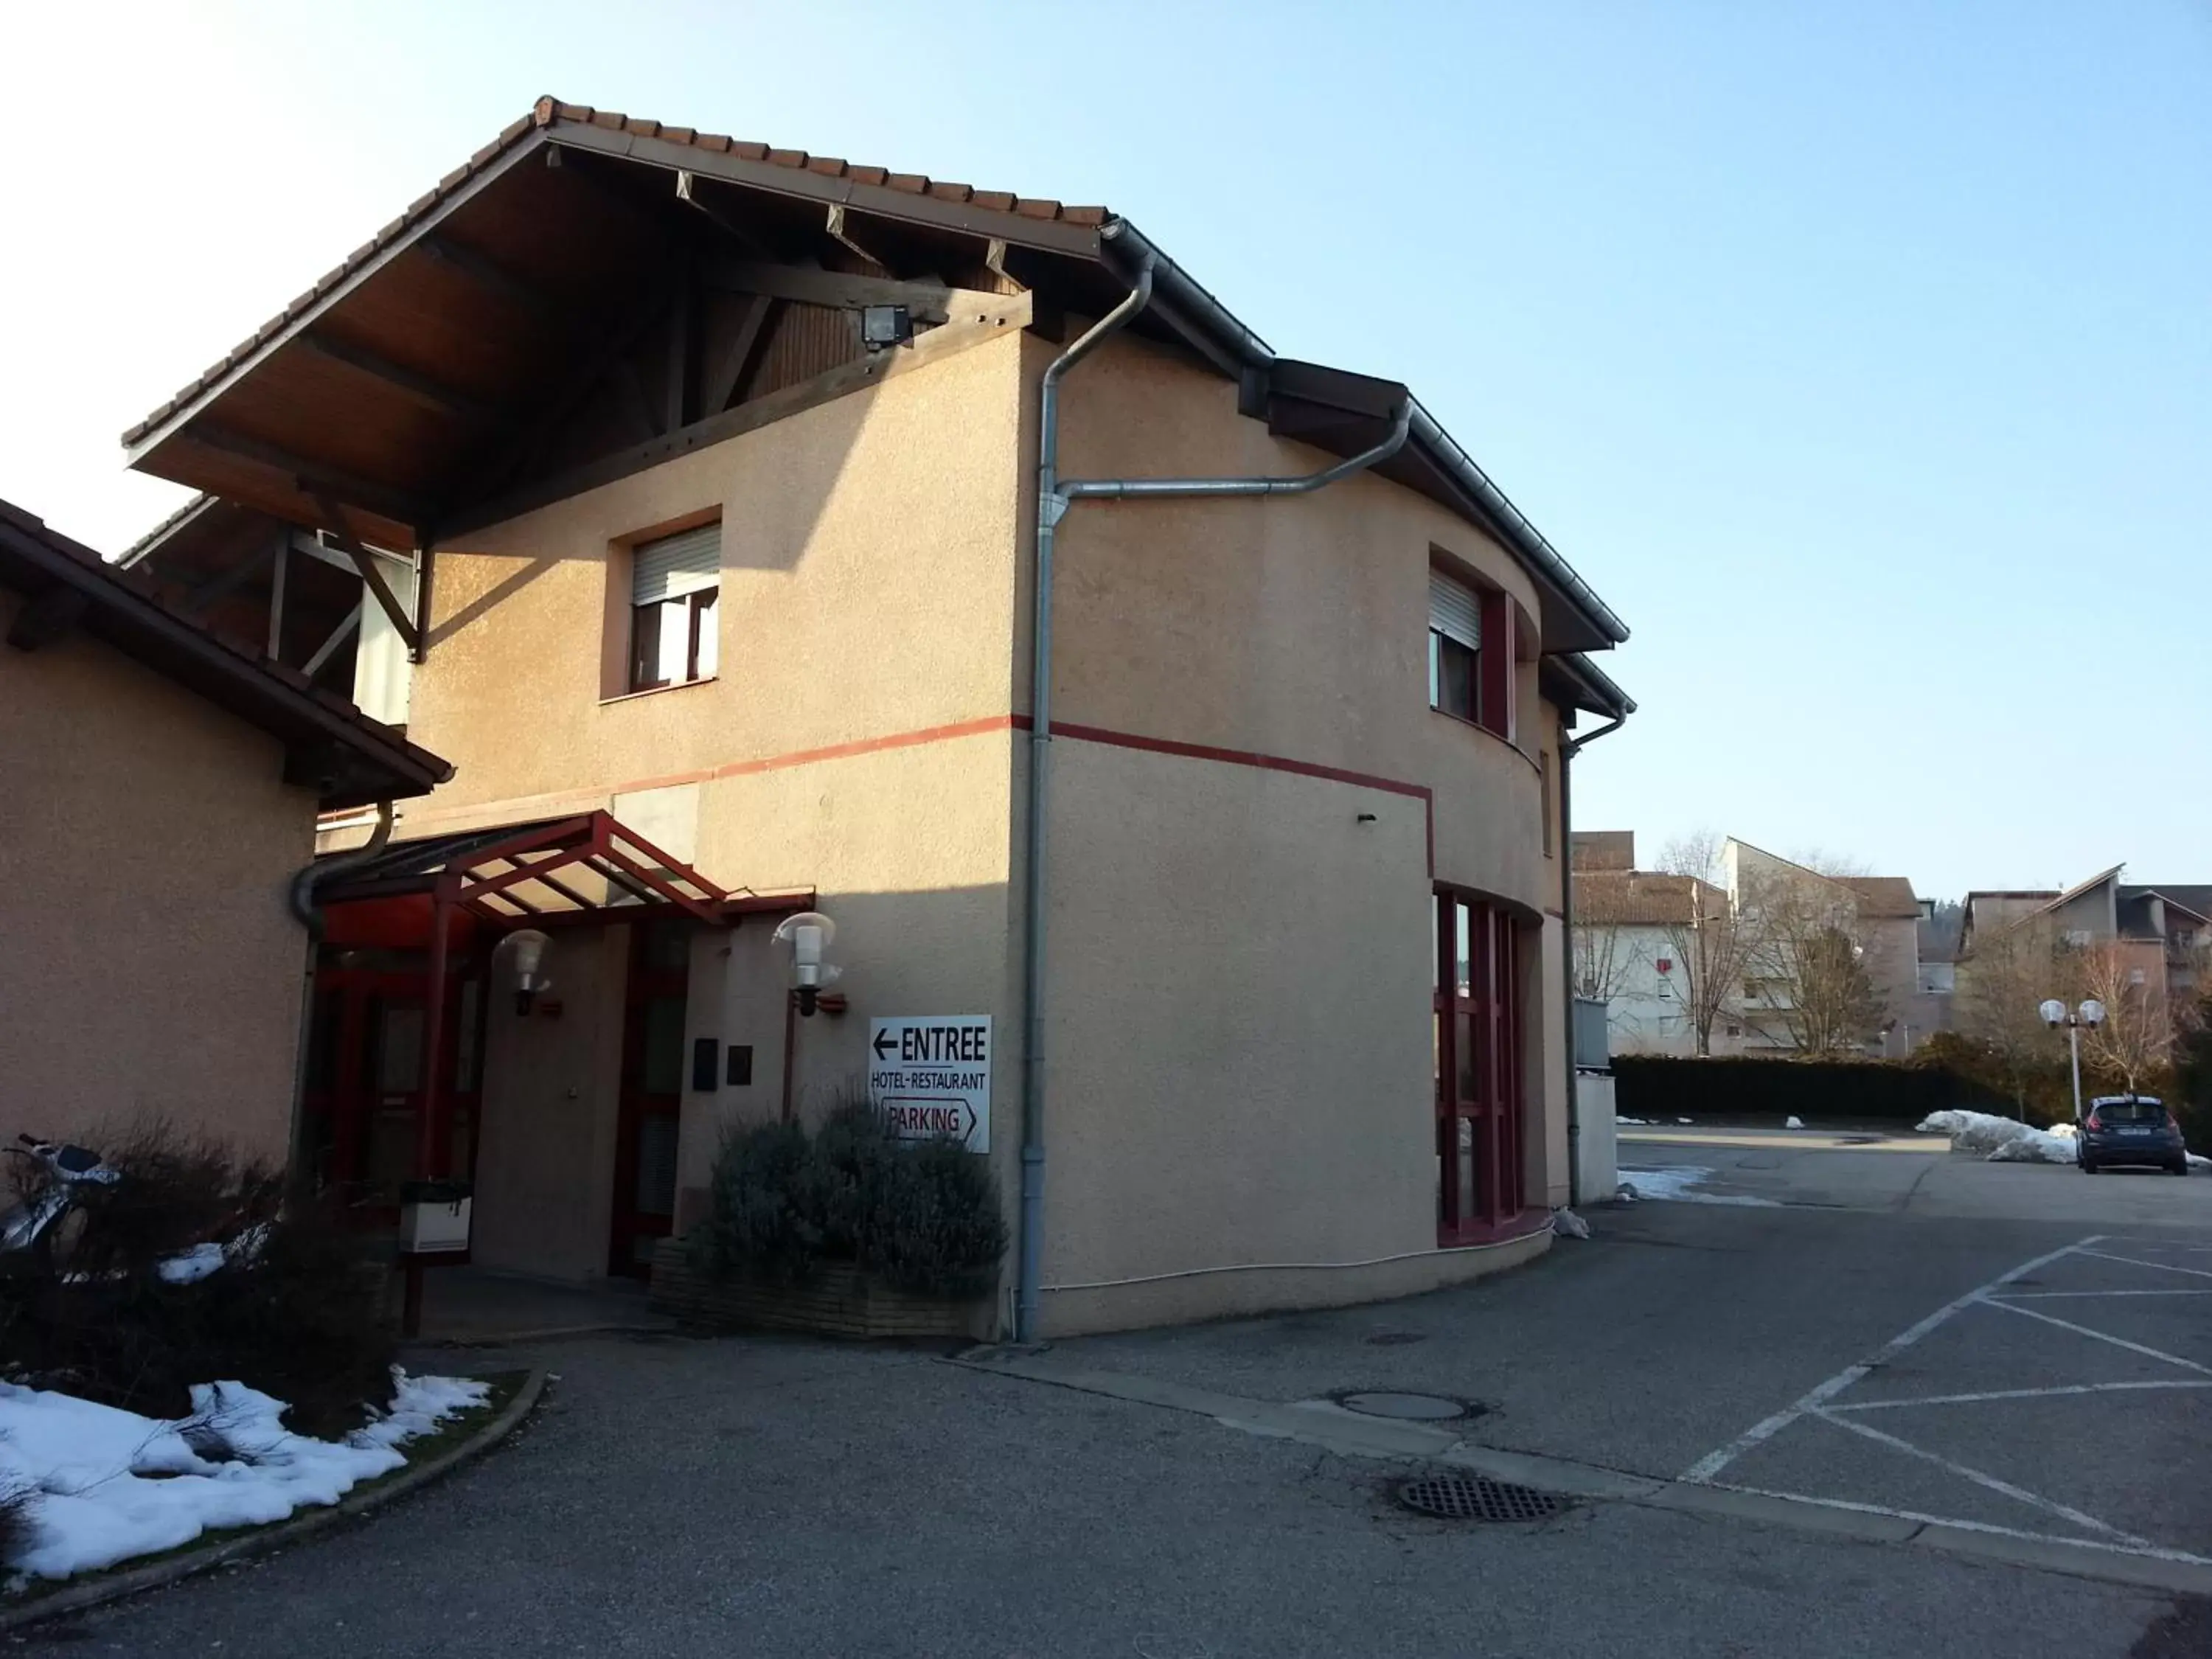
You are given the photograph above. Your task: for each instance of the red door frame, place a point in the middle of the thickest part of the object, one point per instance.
(1480, 1044)
(341, 1098)
(645, 982)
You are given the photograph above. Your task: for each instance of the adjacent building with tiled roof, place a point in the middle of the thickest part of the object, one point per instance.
(161, 788)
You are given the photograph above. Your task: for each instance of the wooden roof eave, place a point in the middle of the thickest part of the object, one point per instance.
(143, 448)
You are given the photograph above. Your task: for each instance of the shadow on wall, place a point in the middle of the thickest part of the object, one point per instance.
(788, 473)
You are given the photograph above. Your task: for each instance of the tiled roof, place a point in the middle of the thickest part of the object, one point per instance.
(548, 111)
(1639, 898)
(258, 689)
(1884, 897)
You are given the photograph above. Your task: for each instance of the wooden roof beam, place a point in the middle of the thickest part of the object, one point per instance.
(688, 191)
(486, 274)
(365, 561)
(927, 302)
(315, 478)
(423, 388)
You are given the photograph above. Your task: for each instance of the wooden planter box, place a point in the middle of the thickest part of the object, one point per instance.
(839, 1300)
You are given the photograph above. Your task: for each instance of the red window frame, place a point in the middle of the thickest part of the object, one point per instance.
(1478, 1033)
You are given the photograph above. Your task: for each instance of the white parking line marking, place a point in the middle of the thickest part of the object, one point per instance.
(2003, 1488)
(2157, 1552)
(2101, 1336)
(2048, 1296)
(2162, 1266)
(1711, 1465)
(2011, 1393)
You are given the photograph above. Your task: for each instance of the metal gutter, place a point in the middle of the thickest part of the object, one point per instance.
(1127, 249)
(1054, 497)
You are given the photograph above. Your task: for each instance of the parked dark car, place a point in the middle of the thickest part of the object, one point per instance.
(2129, 1129)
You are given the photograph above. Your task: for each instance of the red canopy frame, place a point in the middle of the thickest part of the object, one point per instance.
(591, 868)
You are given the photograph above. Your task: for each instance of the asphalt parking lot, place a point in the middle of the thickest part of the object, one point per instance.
(2027, 1383)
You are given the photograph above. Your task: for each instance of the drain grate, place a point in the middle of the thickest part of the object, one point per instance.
(1452, 1496)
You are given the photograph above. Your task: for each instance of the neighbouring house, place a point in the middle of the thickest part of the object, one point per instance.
(696, 497)
(2159, 936)
(161, 795)
(1796, 957)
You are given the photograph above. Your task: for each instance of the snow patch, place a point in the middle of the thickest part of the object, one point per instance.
(2002, 1139)
(106, 1484)
(1678, 1182)
(2198, 1161)
(1794, 1123)
(193, 1265)
(1639, 1122)
(1567, 1224)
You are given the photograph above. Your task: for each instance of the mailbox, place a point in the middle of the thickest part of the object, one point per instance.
(434, 1217)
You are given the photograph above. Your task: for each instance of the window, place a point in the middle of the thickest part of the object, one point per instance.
(1455, 648)
(1466, 681)
(674, 635)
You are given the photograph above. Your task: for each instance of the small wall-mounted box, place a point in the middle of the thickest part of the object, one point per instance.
(434, 1217)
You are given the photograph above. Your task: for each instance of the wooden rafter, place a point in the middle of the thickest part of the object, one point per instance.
(737, 360)
(927, 302)
(424, 389)
(365, 561)
(313, 478)
(489, 274)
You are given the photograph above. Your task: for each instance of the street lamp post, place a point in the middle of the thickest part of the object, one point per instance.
(2055, 1014)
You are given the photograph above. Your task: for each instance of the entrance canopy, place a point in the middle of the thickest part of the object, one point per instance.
(591, 868)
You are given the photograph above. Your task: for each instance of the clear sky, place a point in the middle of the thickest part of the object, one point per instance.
(1860, 354)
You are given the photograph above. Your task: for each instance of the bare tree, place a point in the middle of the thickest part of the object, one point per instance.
(1606, 951)
(1712, 943)
(1811, 957)
(2000, 985)
(2136, 1037)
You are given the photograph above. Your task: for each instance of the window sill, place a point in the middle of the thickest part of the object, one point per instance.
(658, 690)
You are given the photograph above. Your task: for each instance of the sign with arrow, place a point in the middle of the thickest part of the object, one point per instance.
(930, 1075)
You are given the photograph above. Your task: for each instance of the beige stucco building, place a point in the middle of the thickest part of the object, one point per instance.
(160, 796)
(759, 593)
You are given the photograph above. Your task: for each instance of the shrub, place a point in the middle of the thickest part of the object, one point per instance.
(923, 1216)
(300, 1316)
(1663, 1088)
(936, 1230)
(18, 1529)
(763, 1213)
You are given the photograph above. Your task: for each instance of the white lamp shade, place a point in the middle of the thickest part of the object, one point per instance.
(529, 947)
(808, 933)
(2053, 1012)
(2092, 1013)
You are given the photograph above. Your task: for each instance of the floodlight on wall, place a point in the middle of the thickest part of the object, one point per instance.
(809, 935)
(526, 949)
(885, 327)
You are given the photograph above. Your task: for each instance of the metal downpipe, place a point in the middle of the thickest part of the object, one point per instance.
(1051, 505)
(1054, 498)
(1568, 750)
(301, 898)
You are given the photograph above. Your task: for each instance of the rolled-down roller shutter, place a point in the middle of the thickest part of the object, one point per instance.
(676, 565)
(1454, 611)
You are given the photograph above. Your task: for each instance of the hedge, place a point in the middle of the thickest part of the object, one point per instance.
(1661, 1088)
